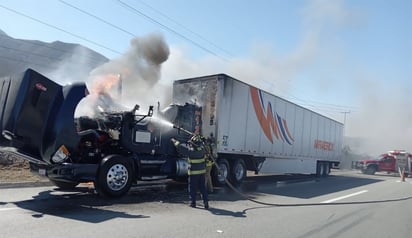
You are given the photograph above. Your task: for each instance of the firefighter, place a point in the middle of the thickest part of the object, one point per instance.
(195, 152)
(209, 164)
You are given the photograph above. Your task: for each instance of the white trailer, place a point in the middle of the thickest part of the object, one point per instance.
(255, 130)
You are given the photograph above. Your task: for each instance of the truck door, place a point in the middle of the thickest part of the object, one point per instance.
(387, 163)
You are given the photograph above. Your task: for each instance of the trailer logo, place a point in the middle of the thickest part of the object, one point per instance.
(271, 123)
(323, 145)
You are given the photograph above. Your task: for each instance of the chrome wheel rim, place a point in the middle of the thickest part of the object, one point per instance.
(222, 173)
(239, 172)
(117, 177)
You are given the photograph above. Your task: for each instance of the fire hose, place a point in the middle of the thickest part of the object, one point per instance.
(231, 186)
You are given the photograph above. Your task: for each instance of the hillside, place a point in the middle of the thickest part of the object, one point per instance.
(58, 60)
(62, 62)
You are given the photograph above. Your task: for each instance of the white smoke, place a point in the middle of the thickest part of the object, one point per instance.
(382, 120)
(70, 69)
(131, 79)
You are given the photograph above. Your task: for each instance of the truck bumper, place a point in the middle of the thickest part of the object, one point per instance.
(68, 172)
(357, 165)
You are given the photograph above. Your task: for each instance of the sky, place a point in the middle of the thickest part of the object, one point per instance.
(346, 59)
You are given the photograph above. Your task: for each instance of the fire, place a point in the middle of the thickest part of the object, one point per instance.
(102, 84)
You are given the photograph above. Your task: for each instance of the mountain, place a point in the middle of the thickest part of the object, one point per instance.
(61, 62)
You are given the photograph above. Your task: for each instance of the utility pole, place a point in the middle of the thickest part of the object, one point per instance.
(344, 117)
(344, 123)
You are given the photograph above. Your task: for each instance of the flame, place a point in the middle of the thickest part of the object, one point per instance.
(102, 84)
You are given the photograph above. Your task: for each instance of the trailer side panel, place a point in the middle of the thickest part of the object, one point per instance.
(251, 122)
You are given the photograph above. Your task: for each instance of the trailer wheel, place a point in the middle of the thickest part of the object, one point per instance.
(326, 169)
(219, 176)
(64, 185)
(115, 176)
(320, 168)
(238, 172)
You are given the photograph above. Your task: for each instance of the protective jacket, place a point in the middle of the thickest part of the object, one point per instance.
(196, 157)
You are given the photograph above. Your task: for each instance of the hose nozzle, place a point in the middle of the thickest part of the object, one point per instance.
(184, 130)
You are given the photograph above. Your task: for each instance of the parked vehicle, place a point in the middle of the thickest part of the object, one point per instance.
(252, 130)
(394, 161)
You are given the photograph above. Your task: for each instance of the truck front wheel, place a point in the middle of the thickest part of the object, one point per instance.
(115, 176)
(370, 170)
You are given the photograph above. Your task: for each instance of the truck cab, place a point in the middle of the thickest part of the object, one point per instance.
(113, 149)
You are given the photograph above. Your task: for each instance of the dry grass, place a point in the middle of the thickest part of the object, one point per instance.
(14, 170)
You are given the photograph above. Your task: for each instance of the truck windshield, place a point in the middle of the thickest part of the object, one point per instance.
(379, 157)
(169, 113)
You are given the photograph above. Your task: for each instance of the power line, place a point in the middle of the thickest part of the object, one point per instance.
(98, 18)
(185, 28)
(325, 109)
(133, 9)
(60, 29)
(153, 20)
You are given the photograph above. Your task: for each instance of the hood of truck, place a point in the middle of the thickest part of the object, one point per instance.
(37, 114)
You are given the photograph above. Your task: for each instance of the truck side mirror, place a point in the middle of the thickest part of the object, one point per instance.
(150, 113)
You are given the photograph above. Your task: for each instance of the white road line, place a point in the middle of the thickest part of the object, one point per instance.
(8, 209)
(343, 197)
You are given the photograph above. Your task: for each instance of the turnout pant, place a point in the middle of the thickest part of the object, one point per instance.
(197, 182)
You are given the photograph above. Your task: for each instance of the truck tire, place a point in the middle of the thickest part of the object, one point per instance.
(371, 170)
(64, 185)
(115, 176)
(326, 169)
(320, 168)
(219, 179)
(238, 172)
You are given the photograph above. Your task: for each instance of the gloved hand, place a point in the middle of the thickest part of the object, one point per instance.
(175, 142)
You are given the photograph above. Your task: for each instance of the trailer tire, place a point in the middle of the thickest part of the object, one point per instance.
(64, 185)
(219, 180)
(320, 168)
(238, 172)
(326, 169)
(115, 176)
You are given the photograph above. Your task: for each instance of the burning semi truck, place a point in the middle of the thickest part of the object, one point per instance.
(251, 129)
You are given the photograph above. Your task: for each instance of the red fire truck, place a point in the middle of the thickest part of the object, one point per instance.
(394, 161)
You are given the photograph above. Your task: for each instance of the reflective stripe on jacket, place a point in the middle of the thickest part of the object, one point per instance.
(197, 159)
(197, 166)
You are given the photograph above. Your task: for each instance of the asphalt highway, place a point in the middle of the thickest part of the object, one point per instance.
(345, 204)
